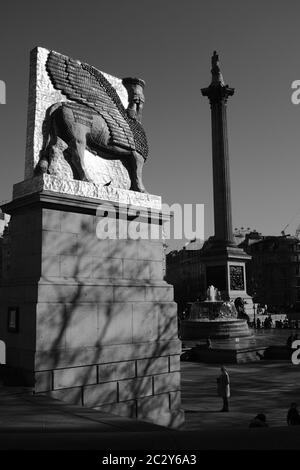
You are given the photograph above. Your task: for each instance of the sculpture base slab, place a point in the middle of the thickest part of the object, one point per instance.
(93, 321)
(85, 189)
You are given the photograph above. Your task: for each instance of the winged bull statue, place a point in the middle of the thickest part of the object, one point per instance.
(93, 118)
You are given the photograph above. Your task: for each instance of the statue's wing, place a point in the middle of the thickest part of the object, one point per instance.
(86, 85)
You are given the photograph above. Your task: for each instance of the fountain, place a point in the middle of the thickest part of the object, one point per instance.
(228, 338)
(214, 318)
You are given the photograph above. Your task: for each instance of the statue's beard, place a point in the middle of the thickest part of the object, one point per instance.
(134, 115)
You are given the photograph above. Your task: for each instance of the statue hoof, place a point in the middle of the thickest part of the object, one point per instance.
(43, 166)
(142, 190)
(138, 189)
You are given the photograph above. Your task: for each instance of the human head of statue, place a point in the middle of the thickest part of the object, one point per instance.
(136, 98)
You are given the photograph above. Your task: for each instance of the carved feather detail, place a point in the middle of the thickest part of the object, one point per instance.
(86, 85)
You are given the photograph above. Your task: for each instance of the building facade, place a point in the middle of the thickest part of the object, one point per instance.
(274, 270)
(186, 272)
(4, 244)
(273, 273)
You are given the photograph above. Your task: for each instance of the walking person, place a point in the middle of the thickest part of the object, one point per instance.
(223, 383)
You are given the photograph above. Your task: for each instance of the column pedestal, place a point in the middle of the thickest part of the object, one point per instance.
(225, 268)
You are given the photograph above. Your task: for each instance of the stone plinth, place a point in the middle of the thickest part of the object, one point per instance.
(87, 320)
(85, 189)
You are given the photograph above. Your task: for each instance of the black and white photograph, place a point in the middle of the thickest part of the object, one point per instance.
(149, 232)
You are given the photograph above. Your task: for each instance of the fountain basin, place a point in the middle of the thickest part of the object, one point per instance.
(227, 337)
(213, 329)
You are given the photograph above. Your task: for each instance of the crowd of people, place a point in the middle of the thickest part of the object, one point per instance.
(268, 323)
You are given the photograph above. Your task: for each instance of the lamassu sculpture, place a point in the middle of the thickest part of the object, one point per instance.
(93, 118)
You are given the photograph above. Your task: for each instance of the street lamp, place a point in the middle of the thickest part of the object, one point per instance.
(254, 319)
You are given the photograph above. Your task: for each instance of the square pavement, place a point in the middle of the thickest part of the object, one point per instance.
(263, 387)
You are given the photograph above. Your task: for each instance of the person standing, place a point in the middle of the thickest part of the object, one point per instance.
(289, 341)
(223, 382)
(293, 416)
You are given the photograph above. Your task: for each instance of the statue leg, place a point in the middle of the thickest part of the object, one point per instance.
(46, 155)
(50, 133)
(134, 165)
(76, 150)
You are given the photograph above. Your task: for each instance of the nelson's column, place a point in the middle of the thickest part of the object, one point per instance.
(224, 261)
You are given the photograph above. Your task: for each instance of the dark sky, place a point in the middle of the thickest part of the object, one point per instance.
(169, 44)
